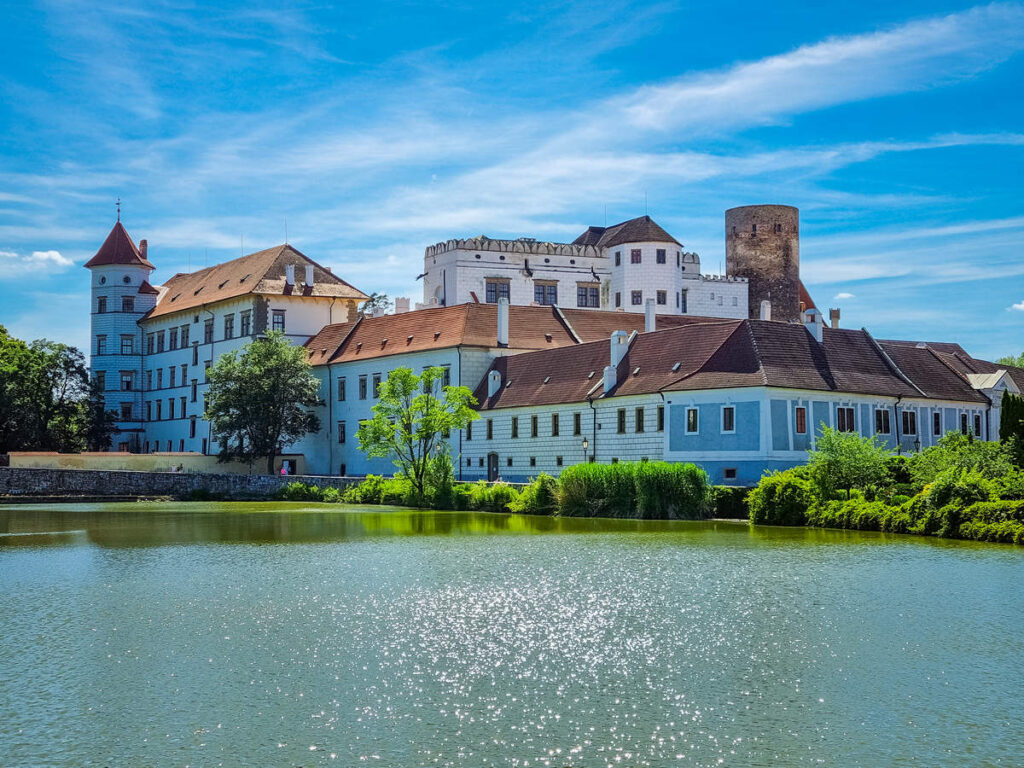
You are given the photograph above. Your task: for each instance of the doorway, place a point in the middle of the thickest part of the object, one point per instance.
(492, 467)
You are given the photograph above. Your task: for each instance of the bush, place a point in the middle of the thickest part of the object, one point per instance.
(730, 502)
(1011, 486)
(581, 490)
(957, 451)
(540, 497)
(646, 490)
(376, 489)
(491, 498)
(960, 487)
(781, 498)
(846, 461)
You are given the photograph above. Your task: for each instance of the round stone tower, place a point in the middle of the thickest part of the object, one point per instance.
(762, 244)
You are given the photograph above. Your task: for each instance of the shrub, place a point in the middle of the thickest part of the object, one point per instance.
(995, 511)
(730, 502)
(491, 498)
(780, 498)
(1011, 486)
(299, 492)
(960, 487)
(845, 460)
(540, 497)
(957, 451)
(647, 490)
(376, 489)
(581, 490)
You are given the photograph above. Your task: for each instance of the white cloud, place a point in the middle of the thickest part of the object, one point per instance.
(1016, 307)
(843, 296)
(15, 265)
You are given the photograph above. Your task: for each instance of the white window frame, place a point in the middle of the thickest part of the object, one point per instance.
(696, 411)
(721, 421)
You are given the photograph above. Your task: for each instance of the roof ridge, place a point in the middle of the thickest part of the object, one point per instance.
(757, 353)
(939, 357)
(348, 335)
(890, 362)
(568, 326)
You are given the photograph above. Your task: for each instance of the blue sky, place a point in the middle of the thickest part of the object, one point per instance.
(376, 129)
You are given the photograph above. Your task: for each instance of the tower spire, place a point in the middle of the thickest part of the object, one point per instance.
(119, 208)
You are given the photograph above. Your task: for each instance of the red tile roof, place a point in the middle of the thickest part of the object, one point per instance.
(118, 248)
(642, 229)
(262, 273)
(147, 288)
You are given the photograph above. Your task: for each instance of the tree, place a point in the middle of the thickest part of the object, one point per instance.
(1017, 361)
(846, 460)
(377, 301)
(258, 398)
(1011, 425)
(410, 422)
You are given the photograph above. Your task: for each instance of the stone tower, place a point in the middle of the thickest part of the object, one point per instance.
(121, 295)
(762, 243)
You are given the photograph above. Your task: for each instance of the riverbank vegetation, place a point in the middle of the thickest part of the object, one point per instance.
(961, 488)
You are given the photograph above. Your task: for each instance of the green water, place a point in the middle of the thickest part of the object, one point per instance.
(297, 635)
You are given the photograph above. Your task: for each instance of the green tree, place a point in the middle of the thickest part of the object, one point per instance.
(410, 422)
(845, 460)
(377, 301)
(1017, 361)
(258, 399)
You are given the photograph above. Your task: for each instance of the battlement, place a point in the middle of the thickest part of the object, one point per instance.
(724, 279)
(526, 246)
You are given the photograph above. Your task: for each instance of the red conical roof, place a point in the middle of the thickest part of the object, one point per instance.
(118, 248)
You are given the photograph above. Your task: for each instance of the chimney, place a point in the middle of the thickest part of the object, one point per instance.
(309, 274)
(610, 378)
(833, 317)
(620, 345)
(289, 274)
(493, 383)
(144, 249)
(650, 320)
(815, 324)
(766, 310)
(502, 322)
(401, 305)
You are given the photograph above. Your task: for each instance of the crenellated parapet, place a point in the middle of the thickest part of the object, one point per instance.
(525, 246)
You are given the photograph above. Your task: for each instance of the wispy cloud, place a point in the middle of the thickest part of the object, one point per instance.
(38, 262)
(843, 295)
(1017, 307)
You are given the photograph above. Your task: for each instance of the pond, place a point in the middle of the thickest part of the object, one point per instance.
(308, 635)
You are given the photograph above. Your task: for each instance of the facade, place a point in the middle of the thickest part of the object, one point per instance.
(610, 268)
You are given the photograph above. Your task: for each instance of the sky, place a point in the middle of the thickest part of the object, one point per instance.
(368, 131)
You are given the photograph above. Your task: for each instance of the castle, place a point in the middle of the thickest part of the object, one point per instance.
(734, 372)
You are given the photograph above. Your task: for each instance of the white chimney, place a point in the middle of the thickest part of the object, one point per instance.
(502, 322)
(833, 318)
(309, 274)
(289, 274)
(620, 345)
(815, 324)
(401, 304)
(650, 319)
(493, 383)
(766, 310)
(610, 378)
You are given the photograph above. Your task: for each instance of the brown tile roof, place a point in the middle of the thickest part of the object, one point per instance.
(928, 371)
(472, 325)
(956, 358)
(118, 248)
(591, 324)
(805, 297)
(642, 229)
(262, 272)
(145, 287)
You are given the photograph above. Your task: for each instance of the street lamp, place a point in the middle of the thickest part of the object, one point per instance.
(917, 444)
(586, 445)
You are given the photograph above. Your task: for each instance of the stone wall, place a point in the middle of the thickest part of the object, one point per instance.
(762, 243)
(99, 483)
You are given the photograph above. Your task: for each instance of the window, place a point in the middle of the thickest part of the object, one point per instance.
(207, 365)
(195, 354)
(469, 431)
(496, 289)
(341, 389)
(729, 418)
(229, 326)
(661, 297)
(682, 307)
(171, 372)
(184, 336)
(195, 387)
(637, 297)
(101, 305)
(341, 431)
(533, 461)
(173, 341)
(184, 373)
(692, 421)
(446, 375)
(587, 296)
(661, 418)
(577, 423)
(149, 380)
(554, 425)
(963, 423)
(937, 423)
(159, 378)
(977, 425)
(192, 427)
(618, 299)
(181, 404)
(126, 381)
(150, 343)
(126, 411)
(882, 425)
(376, 385)
(160, 339)
(469, 462)
(801, 420)
(634, 256)
(149, 411)
(208, 332)
(204, 446)
(490, 429)
(127, 303)
(509, 461)
(534, 426)
(638, 420)
(844, 420)
(277, 320)
(159, 409)
(558, 461)
(170, 408)
(545, 293)
(362, 387)
(515, 426)
(618, 258)
(343, 470)
(620, 421)
(909, 422)
(729, 473)
(127, 344)
(100, 380)
(246, 322)
(660, 256)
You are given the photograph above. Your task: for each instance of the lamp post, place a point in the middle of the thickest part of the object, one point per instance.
(917, 444)
(586, 445)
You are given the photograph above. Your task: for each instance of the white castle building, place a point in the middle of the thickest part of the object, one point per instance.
(611, 268)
